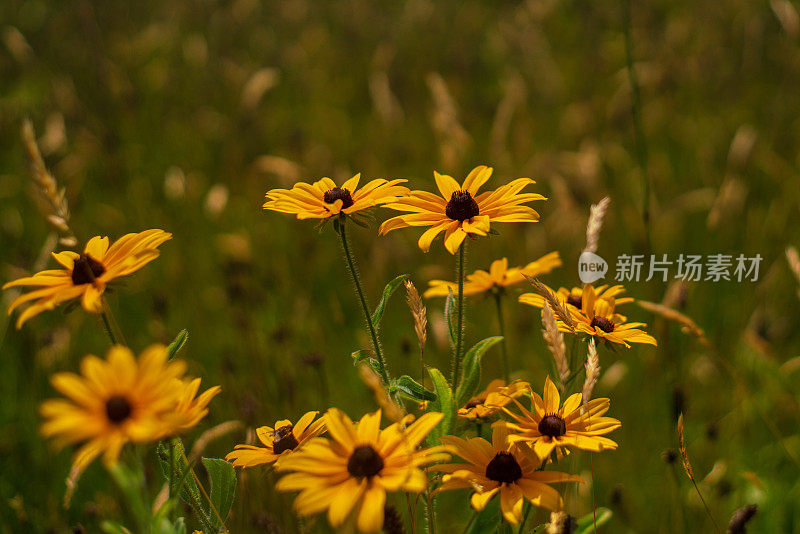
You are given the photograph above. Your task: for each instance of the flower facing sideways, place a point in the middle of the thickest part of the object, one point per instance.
(597, 318)
(86, 275)
(460, 210)
(499, 277)
(574, 297)
(324, 198)
(551, 425)
(121, 400)
(500, 468)
(352, 472)
(281, 440)
(492, 400)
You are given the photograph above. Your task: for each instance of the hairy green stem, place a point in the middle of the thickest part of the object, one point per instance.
(460, 321)
(498, 299)
(372, 331)
(110, 325)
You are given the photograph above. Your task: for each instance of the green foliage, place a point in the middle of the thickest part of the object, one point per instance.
(443, 403)
(222, 477)
(411, 389)
(178, 343)
(390, 288)
(471, 377)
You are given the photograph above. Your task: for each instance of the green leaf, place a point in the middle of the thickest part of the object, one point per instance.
(486, 521)
(586, 523)
(443, 403)
(361, 355)
(110, 527)
(130, 481)
(471, 378)
(450, 310)
(390, 288)
(177, 343)
(410, 388)
(181, 479)
(223, 487)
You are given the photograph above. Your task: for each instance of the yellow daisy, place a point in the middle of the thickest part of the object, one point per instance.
(352, 472)
(574, 297)
(496, 279)
(282, 439)
(554, 426)
(120, 400)
(461, 210)
(86, 275)
(324, 198)
(492, 399)
(499, 468)
(597, 318)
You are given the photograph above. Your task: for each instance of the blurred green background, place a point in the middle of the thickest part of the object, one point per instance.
(181, 115)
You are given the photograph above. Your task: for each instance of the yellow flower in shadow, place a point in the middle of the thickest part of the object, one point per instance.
(86, 275)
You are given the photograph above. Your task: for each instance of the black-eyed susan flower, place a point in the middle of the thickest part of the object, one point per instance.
(86, 275)
(497, 278)
(352, 472)
(597, 318)
(324, 198)
(460, 210)
(574, 297)
(492, 400)
(498, 468)
(550, 425)
(122, 400)
(280, 440)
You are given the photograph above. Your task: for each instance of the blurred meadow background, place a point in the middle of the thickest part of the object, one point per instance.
(181, 116)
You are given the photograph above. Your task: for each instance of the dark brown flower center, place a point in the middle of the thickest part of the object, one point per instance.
(283, 439)
(474, 403)
(365, 462)
(575, 300)
(337, 193)
(86, 269)
(553, 426)
(118, 409)
(462, 206)
(603, 324)
(504, 468)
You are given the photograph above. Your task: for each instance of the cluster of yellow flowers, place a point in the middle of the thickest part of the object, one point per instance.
(338, 466)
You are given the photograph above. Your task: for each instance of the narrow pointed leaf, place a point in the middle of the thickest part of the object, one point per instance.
(390, 288)
(443, 403)
(178, 343)
(471, 378)
(411, 389)
(586, 523)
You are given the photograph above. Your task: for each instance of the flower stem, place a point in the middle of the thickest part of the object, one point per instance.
(525, 517)
(498, 299)
(376, 345)
(110, 324)
(460, 320)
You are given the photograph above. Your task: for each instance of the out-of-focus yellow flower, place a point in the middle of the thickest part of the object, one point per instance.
(497, 278)
(86, 275)
(120, 400)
